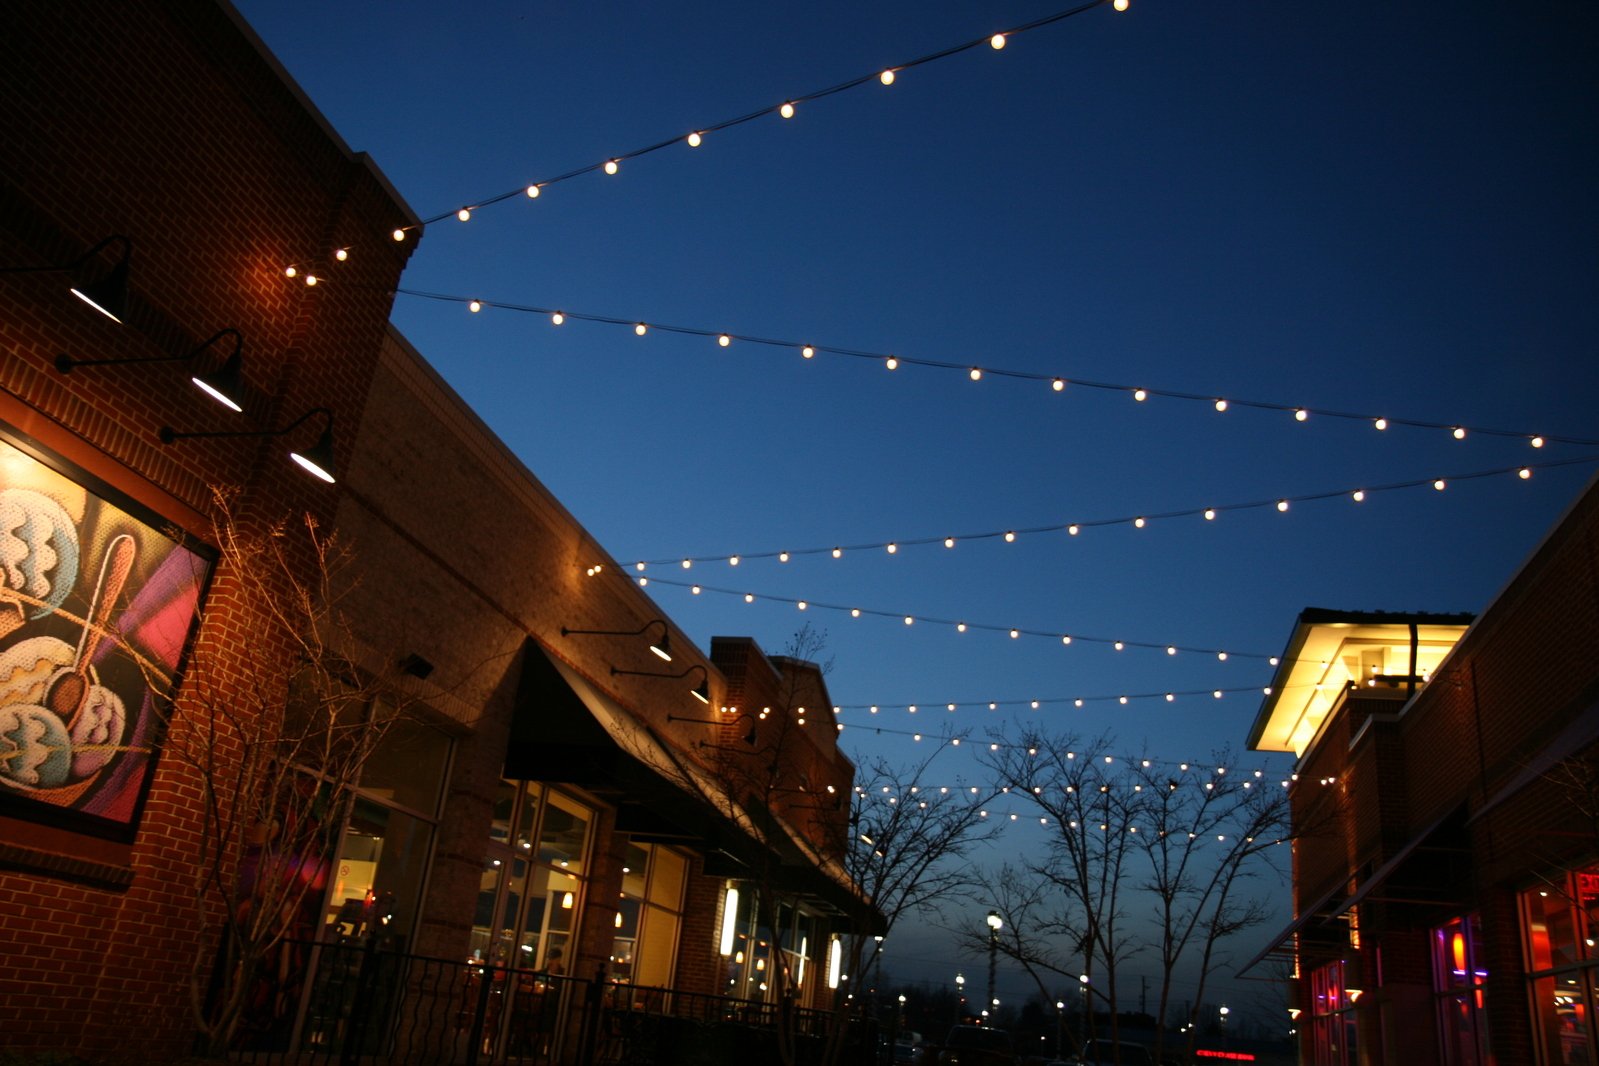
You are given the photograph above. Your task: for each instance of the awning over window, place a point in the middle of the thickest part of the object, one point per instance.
(1323, 909)
(1580, 732)
(1381, 875)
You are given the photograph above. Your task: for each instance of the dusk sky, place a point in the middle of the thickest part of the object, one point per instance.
(1377, 209)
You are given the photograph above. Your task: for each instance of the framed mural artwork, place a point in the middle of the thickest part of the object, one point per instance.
(97, 606)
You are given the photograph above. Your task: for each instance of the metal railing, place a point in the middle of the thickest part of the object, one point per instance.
(355, 1004)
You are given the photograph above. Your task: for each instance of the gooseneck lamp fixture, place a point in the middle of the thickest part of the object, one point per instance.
(106, 293)
(316, 460)
(224, 385)
(662, 647)
(701, 691)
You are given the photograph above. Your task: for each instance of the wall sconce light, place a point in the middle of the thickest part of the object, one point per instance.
(567, 900)
(729, 920)
(749, 734)
(662, 647)
(835, 961)
(317, 459)
(701, 691)
(107, 294)
(224, 385)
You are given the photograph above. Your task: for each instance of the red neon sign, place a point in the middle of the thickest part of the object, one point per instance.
(1233, 1056)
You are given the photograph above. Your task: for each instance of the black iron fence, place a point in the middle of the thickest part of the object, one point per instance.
(350, 1004)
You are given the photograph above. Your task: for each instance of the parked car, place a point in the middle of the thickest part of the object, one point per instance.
(1108, 1052)
(977, 1045)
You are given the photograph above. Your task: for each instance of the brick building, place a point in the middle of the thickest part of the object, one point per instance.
(1446, 882)
(561, 800)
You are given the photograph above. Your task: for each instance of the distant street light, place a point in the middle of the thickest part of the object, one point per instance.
(995, 923)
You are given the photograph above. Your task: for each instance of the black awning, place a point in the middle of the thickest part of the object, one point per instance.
(1322, 909)
(1380, 875)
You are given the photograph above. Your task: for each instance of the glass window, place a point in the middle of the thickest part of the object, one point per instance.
(1563, 966)
(1458, 983)
(1332, 1019)
(532, 885)
(649, 914)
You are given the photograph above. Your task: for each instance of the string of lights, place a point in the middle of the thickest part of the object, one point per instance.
(1163, 696)
(1014, 632)
(1300, 413)
(786, 109)
(1139, 521)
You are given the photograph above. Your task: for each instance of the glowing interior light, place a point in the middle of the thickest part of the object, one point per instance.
(1459, 432)
(464, 214)
(1439, 484)
(1140, 395)
(532, 192)
(729, 920)
(475, 306)
(1301, 414)
(612, 166)
(398, 235)
(787, 110)
(557, 318)
(724, 340)
(1381, 423)
(1524, 473)
(1221, 405)
(694, 139)
(808, 352)
(1359, 495)
(887, 77)
(289, 272)
(892, 363)
(997, 41)
(1536, 442)
(1058, 385)
(1282, 505)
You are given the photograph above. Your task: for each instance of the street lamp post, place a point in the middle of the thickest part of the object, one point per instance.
(1221, 1014)
(995, 923)
(960, 995)
(1082, 982)
(1060, 1028)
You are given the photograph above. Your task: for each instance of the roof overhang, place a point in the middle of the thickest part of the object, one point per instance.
(1331, 650)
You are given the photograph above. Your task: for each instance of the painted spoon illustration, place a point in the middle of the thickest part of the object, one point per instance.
(70, 685)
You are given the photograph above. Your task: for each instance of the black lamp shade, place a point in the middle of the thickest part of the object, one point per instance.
(318, 459)
(225, 384)
(108, 295)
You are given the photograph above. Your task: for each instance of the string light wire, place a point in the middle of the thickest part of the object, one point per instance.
(1301, 413)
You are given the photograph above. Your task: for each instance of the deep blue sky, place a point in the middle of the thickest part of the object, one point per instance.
(1379, 208)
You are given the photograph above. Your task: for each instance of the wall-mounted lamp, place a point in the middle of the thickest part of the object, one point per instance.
(224, 385)
(108, 293)
(661, 647)
(317, 459)
(729, 920)
(701, 691)
(748, 736)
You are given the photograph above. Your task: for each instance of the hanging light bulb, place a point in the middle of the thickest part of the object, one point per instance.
(960, 627)
(892, 363)
(949, 542)
(1359, 495)
(465, 214)
(1459, 432)
(997, 42)
(1524, 473)
(1010, 537)
(1282, 505)
(782, 557)
(290, 272)
(909, 620)
(1381, 423)
(891, 547)
(1221, 405)
(475, 306)
(787, 110)
(887, 77)
(1438, 484)
(1138, 523)
(1058, 385)
(1301, 414)
(1119, 5)
(311, 280)
(808, 352)
(557, 318)
(976, 374)
(724, 340)
(1210, 514)
(398, 235)
(1536, 442)
(1072, 529)
(1140, 395)
(1066, 639)
(341, 254)
(612, 166)
(694, 139)
(641, 329)
(838, 553)
(532, 192)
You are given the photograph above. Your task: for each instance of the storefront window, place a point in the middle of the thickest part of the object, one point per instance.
(532, 882)
(1332, 1018)
(1458, 981)
(1558, 922)
(649, 914)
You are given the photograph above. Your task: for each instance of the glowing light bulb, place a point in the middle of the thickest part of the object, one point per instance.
(997, 42)
(1076, 703)
(976, 374)
(1119, 645)
(289, 272)
(612, 166)
(1359, 495)
(1073, 530)
(1459, 432)
(398, 235)
(1301, 414)
(1439, 484)
(1140, 395)
(892, 363)
(1015, 633)
(1221, 656)
(532, 192)
(724, 340)
(687, 563)
(1119, 5)
(1010, 537)
(1524, 473)
(1171, 649)
(694, 139)
(475, 306)
(1058, 385)
(808, 352)
(787, 110)
(891, 547)
(909, 620)
(732, 560)
(641, 329)
(1170, 698)
(782, 557)
(310, 279)
(695, 589)
(949, 542)
(749, 597)
(465, 214)
(1066, 639)
(887, 77)
(1282, 505)
(1536, 442)
(855, 612)
(1221, 405)
(1210, 514)
(802, 605)
(960, 627)
(1138, 523)
(838, 553)
(1123, 701)
(1216, 694)
(1381, 423)
(557, 318)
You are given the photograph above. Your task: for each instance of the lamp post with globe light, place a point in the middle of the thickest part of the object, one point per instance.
(1082, 982)
(1221, 1016)
(995, 924)
(960, 995)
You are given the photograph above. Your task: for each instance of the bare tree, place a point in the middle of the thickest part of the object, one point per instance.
(273, 736)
